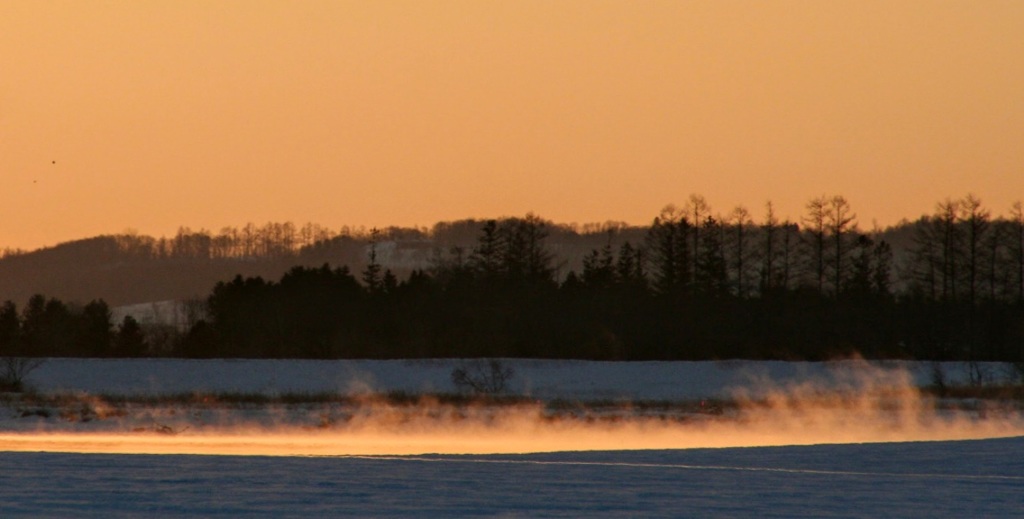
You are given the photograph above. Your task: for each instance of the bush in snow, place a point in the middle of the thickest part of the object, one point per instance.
(14, 370)
(483, 378)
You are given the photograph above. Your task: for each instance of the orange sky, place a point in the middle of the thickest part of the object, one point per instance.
(206, 114)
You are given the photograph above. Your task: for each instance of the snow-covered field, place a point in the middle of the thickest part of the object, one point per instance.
(942, 479)
(543, 379)
(307, 458)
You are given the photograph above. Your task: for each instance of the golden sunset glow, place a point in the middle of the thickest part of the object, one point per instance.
(155, 114)
(526, 431)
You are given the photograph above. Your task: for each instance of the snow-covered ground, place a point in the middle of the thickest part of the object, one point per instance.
(846, 457)
(943, 479)
(543, 379)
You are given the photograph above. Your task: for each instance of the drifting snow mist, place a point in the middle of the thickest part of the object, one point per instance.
(863, 404)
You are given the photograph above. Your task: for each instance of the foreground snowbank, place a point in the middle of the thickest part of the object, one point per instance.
(542, 379)
(940, 479)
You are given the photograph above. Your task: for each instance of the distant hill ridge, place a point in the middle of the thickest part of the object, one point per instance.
(128, 269)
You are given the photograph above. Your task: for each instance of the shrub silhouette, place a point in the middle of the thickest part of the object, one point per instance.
(483, 378)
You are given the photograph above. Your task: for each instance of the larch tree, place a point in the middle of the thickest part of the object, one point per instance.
(815, 223)
(841, 224)
(741, 227)
(769, 230)
(1017, 247)
(975, 221)
(697, 210)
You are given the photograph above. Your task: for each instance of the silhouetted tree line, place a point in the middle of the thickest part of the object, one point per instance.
(52, 328)
(695, 284)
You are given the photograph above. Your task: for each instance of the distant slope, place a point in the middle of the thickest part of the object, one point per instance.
(97, 268)
(89, 269)
(130, 269)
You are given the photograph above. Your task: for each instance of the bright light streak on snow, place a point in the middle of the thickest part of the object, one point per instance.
(523, 431)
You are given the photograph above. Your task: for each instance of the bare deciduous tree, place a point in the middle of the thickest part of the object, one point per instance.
(698, 210)
(815, 223)
(841, 224)
(483, 378)
(976, 225)
(1017, 246)
(742, 254)
(14, 371)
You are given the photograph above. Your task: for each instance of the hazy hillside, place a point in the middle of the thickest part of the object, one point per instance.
(94, 269)
(130, 269)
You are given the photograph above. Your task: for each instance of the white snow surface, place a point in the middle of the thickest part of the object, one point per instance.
(541, 379)
(941, 479)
